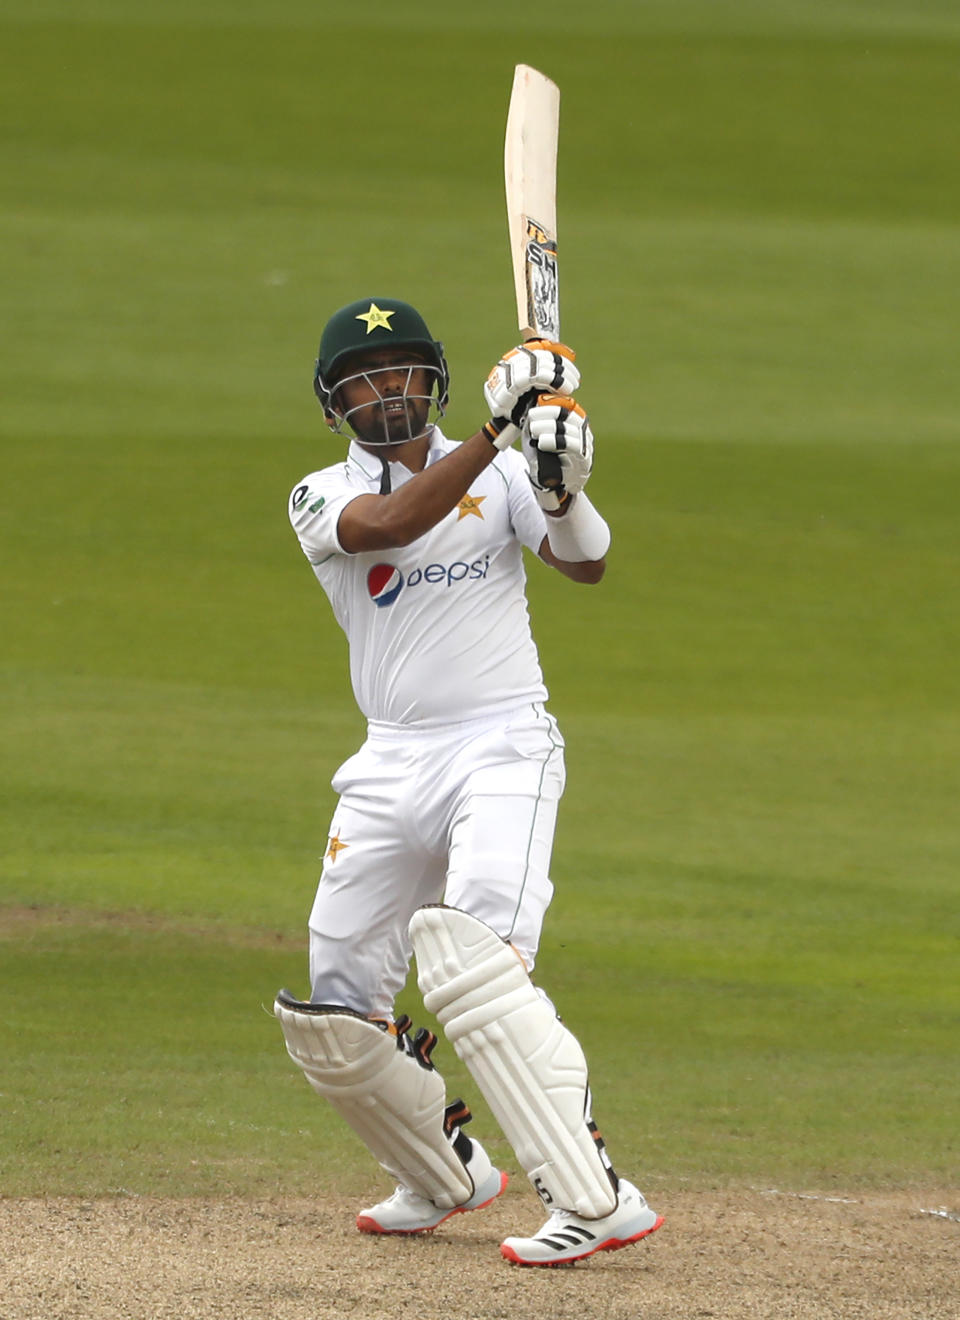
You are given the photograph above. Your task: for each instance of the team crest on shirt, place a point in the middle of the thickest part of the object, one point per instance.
(384, 583)
(470, 504)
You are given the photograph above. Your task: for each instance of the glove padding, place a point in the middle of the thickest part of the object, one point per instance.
(556, 424)
(512, 384)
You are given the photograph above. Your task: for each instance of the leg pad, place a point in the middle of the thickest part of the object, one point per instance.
(392, 1096)
(530, 1069)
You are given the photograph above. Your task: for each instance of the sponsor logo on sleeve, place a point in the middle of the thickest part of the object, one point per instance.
(300, 496)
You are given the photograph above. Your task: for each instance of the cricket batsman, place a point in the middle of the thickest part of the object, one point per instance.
(440, 843)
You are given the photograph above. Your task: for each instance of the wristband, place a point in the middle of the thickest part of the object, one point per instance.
(580, 534)
(501, 432)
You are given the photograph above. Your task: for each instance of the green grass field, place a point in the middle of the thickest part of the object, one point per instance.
(757, 926)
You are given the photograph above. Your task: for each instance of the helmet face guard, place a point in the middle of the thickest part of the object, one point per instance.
(394, 411)
(369, 326)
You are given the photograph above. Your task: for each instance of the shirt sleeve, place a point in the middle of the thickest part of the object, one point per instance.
(315, 506)
(527, 518)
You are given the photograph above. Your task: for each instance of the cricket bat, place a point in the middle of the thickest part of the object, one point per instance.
(530, 175)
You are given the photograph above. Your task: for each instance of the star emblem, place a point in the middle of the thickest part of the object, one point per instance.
(334, 846)
(470, 504)
(375, 317)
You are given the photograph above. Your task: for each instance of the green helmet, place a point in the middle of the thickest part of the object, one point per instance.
(374, 323)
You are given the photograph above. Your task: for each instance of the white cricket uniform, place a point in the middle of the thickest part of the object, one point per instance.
(454, 794)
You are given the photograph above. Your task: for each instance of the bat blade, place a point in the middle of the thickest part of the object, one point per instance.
(530, 175)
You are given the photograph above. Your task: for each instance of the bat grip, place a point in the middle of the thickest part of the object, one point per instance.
(549, 470)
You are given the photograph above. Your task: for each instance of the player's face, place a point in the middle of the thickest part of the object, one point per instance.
(386, 396)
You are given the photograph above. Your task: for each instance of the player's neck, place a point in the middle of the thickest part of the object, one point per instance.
(412, 453)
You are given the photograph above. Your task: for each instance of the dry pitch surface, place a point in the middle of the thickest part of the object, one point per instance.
(756, 1254)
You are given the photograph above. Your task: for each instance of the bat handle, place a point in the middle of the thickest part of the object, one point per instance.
(549, 470)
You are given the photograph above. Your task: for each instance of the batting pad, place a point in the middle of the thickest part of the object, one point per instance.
(530, 1069)
(393, 1103)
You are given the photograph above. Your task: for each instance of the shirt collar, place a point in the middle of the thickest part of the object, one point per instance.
(371, 466)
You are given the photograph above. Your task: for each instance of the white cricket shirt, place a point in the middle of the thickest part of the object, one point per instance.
(438, 630)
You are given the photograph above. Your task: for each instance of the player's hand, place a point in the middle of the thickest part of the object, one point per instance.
(556, 424)
(510, 388)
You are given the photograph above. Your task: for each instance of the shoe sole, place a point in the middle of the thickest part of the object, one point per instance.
(367, 1224)
(611, 1244)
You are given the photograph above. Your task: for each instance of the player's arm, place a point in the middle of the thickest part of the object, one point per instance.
(577, 538)
(383, 522)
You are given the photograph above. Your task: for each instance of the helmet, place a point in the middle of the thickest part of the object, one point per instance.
(372, 323)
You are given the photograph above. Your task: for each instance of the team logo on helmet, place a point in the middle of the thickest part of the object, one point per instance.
(384, 583)
(377, 316)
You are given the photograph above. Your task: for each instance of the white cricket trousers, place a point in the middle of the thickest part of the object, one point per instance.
(464, 815)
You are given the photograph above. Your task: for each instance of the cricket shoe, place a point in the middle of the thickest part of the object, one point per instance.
(566, 1237)
(408, 1212)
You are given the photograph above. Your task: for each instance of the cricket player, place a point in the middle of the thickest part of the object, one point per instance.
(439, 847)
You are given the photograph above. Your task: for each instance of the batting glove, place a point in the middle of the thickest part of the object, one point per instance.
(511, 385)
(556, 425)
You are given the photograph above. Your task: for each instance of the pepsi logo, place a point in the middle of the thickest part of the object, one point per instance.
(384, 583)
